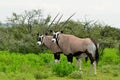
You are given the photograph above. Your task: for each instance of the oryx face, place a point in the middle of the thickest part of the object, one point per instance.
(40, 39)
(55, 37)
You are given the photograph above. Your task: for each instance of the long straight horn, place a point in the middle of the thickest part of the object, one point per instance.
(53, 20)
(58, 21)
(68, 20)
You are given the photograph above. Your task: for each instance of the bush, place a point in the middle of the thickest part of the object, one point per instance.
(63, 69)
(110, 55)
(76, 75)
(46, 58)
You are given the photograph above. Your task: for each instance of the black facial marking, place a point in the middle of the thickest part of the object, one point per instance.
(54, 36)
(40, 38)
(57, 36)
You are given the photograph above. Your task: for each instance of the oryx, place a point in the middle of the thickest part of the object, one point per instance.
(46, 40)
(74, 46)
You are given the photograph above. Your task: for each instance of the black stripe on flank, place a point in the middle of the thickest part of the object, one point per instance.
(78, 53)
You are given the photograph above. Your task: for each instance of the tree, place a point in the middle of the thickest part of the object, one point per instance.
(28, 18)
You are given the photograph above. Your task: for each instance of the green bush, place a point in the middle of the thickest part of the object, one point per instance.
(63, 69)
(110, 55)
(46, 58)
(76, 75)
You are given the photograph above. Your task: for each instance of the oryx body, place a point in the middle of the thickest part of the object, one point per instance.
(74, 46)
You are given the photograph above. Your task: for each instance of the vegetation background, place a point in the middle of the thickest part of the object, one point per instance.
(22, 59)
(21, 36)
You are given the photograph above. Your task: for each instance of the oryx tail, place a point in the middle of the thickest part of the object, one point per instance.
(96, 51)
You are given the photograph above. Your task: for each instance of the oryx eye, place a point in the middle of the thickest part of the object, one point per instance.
(57, 35)
(54, 36)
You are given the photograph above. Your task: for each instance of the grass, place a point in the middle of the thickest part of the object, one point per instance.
(16, 66)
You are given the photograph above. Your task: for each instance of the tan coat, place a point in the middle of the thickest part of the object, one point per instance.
(71, 44)
(49, 44)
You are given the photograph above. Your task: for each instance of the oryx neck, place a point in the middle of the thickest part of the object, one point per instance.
(47, 40)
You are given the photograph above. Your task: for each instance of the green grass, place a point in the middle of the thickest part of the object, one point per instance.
(16, 66)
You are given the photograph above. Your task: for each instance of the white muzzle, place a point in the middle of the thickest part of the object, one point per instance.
(39, 43)
(54, 40)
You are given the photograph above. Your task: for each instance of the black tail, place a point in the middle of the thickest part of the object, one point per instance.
(96, 55)
(96, 52)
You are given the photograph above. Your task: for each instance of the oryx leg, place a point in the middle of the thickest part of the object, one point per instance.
(79, 63)
(94, 65)
(57, 57)
(93, 62)
(70, 58)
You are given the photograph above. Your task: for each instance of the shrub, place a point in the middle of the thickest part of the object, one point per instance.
(76, 75)
(46, 58)
(63, 69)
(110, 55)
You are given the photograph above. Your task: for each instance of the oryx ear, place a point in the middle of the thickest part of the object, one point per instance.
(46, 33)
(51, 31)
(38, 34)
(61, 31)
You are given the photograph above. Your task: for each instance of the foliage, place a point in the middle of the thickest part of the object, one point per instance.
(63, 69)
(110, 56)
(76, 75)
(21, 35)
(17, 66)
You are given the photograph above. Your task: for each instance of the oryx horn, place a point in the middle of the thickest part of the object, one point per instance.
(68, 20)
